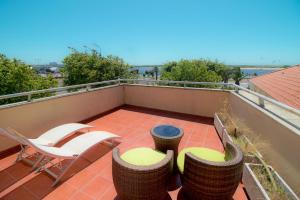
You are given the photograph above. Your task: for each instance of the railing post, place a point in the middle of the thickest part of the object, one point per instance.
(184, 84)
(119, 81)
(261, 102)
(88, 87)
(236, 89)
(29, 97)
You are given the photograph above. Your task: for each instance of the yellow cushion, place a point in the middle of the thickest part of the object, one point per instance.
(200, 152)
(142, 156)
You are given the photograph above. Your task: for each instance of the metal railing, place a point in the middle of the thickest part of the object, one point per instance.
(262, 99)
(93, 86)
(185, 83)
(86, 86)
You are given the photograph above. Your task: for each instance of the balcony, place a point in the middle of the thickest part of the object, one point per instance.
(130, 110)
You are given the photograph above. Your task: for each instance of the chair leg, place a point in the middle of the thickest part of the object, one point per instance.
(43, 162)
(58, 177)
(110, 142)
(20, 155)
(38, 161)
(63, 172)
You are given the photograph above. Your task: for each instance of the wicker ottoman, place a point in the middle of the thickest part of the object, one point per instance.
(167, 137)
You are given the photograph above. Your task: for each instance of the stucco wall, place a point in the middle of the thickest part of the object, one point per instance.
(201, 102)
(34, 118)
(282, 143)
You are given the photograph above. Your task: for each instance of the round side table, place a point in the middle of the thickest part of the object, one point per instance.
(167, 137)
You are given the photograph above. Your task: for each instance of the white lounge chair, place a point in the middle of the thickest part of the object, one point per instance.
(71, 150)
(49, 138)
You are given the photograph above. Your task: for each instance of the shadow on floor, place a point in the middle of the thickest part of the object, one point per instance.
(41, 185)
(181, 116)
(14, 173)
(181, 196)
(168, 197)
(174, 182)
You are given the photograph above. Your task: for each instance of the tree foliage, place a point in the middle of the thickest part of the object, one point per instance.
(192, 70)
(201, 71)
(156, 72)
(237, 75)
(16, 76)
(91, 66)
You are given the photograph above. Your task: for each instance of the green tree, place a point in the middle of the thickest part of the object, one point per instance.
(225, 73)
(237, 75)
(168, 66)
(91, 66)
(16, 76)
(221, 69)
(149, 73)
(156, 71)
(190, 70)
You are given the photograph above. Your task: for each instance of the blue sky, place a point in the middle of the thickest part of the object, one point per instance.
(153, 31)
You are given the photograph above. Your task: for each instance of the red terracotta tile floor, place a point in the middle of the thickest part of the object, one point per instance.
(91, 177)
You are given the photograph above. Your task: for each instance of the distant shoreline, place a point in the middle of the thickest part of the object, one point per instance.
(262, 68)
(242, 67)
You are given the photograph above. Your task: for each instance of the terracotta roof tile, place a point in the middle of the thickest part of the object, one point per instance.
(282, 85)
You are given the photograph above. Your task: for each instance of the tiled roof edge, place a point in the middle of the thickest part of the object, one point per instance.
(298, 65)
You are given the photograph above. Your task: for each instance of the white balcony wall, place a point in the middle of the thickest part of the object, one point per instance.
(34, 118)
(281, 141)
(202, 102)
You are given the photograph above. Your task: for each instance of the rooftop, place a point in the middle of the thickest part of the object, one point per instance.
(130, 108)
(282, 85)
(92, 177)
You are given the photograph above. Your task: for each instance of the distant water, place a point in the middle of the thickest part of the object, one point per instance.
(142, 70)
(258, 72)
(248, 72)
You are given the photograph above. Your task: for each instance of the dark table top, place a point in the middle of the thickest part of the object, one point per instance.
(167, 131)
